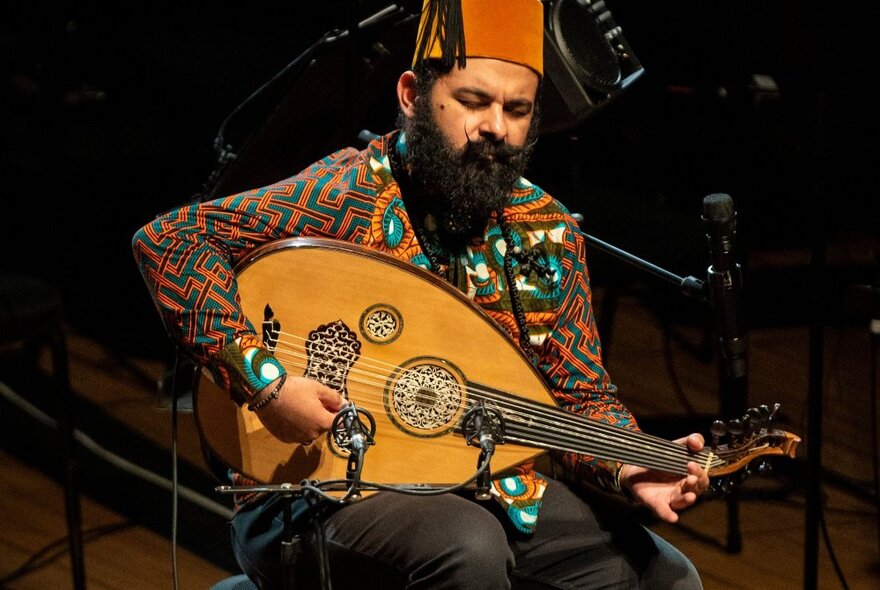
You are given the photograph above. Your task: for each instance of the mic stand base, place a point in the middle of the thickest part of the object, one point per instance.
(291, 544)
(483, 493)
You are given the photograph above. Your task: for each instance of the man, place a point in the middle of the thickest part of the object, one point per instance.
(446, 193)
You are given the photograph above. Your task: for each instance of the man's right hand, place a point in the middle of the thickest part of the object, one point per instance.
(303, 411)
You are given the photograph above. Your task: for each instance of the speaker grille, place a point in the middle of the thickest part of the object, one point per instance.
(577, 29)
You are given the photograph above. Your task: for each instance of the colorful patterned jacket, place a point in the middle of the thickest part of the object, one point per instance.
(187, 255)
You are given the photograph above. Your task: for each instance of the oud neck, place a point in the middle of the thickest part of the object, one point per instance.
(534, 424)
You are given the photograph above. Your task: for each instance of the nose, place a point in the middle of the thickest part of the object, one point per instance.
(493, 125)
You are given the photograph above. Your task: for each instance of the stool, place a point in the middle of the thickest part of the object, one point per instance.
(31, 313)
(240, 582)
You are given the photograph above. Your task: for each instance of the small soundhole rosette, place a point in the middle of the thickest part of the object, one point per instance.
(381, 324)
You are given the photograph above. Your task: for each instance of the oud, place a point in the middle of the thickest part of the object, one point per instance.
(418, 355)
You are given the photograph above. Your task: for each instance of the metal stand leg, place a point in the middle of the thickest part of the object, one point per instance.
(288, 557)
(71, 489)
(733, 403)
(872, 401)
(291, 546)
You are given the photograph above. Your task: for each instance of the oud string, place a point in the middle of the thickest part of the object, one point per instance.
(611, 439)
(540, 418)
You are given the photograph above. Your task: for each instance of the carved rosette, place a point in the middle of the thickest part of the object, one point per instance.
(426, 397)
(381, 324)
(332, 350)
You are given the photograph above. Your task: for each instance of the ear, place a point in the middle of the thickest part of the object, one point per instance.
(406, 93)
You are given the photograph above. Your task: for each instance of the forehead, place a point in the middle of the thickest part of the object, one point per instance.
(494, 77)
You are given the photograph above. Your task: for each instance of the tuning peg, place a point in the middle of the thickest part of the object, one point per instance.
(721, 486)
(765, 413)
(735, 428)
(726, 485)
(764, 467)
(718, 429)
(750, 424)
(772, 416)
(754, 416)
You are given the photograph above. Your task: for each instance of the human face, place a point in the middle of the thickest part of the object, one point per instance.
(463, 178)
(489, 99)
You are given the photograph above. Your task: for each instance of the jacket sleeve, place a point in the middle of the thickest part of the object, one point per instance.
(187, 258)
(571, 360)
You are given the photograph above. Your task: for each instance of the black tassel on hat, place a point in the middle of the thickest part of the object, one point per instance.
(443, 19)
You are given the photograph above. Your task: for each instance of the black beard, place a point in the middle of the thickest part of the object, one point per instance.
(461, 188)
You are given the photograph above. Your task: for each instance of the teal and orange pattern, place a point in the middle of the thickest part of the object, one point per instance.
(520, 495)
(187, 255)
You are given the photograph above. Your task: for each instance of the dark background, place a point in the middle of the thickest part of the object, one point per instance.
(109, 112)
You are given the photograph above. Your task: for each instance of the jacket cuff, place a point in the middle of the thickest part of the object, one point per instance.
(244, 367)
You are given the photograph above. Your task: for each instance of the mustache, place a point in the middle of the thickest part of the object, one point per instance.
(499, 152)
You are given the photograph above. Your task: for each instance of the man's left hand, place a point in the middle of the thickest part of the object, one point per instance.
(665, 493)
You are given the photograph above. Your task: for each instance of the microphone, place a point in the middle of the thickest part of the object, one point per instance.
(483, 426)
(725, 281)
(350, 432)
(355, 431)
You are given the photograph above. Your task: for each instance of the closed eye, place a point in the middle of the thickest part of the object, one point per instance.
(518, 112)
(472, 105)
(519, 108)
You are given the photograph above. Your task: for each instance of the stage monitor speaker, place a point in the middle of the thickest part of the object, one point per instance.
(587, 62)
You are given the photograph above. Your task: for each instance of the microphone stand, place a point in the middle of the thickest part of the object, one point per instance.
(292, 541)
(353, 430)
(731, 388)
(690, 285)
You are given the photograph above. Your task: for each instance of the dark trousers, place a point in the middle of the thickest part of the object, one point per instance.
(392, 540)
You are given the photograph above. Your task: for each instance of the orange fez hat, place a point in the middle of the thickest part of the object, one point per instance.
(511, 30)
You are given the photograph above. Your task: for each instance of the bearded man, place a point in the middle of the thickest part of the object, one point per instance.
(444, 192)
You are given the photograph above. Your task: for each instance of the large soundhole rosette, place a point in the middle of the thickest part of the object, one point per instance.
(426, 397)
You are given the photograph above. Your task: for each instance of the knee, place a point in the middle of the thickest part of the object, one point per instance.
(684, 575)
(473, 551)
(483, 547)
(671, 570)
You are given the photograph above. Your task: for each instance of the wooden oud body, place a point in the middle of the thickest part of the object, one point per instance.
(398, 341)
